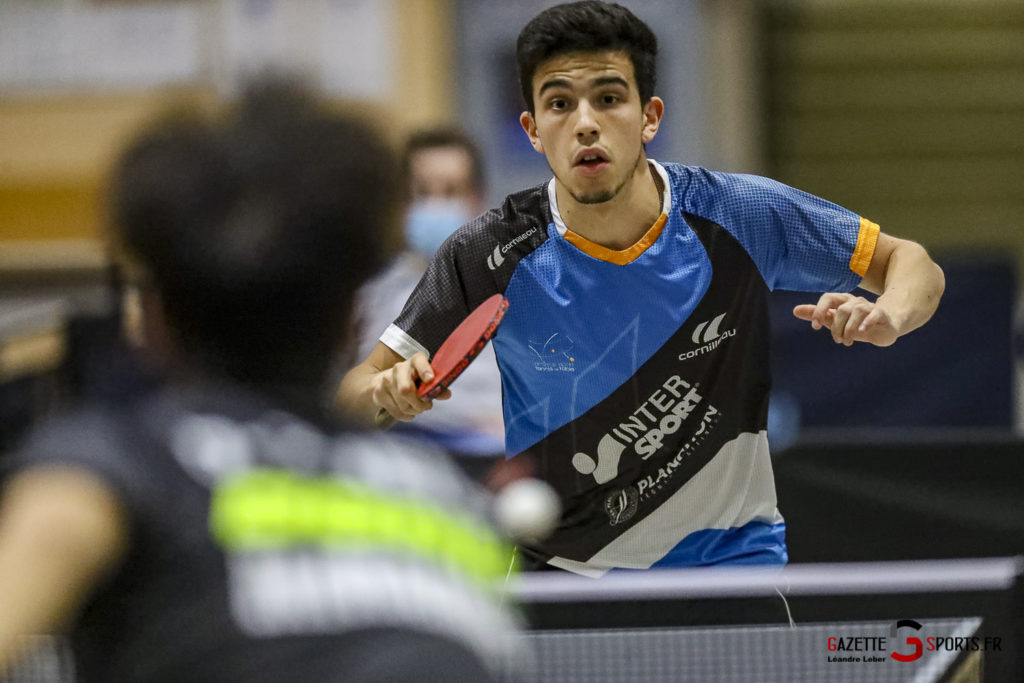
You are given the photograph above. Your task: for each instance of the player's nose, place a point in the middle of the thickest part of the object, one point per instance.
(586, 127)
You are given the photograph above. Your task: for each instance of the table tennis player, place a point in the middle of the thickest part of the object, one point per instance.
(634, 354)
(222, 527)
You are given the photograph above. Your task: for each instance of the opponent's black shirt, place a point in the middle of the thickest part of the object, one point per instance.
(264, 547)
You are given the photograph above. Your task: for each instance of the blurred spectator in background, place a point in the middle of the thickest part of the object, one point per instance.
(222, 526)
(444, 179)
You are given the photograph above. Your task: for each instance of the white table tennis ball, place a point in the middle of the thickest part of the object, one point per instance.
(527, 509)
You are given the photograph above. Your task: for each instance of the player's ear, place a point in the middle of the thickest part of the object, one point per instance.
(653, 111)
(529, 125)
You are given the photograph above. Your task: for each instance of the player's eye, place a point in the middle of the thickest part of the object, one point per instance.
(558, 103)
(609, 98)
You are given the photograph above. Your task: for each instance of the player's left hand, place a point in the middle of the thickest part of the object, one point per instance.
(851, 319)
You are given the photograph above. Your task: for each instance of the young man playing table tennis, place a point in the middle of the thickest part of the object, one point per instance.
(634, 354)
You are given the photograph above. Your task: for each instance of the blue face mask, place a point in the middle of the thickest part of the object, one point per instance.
(430, 221)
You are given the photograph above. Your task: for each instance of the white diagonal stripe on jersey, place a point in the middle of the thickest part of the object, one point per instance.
(736, 487)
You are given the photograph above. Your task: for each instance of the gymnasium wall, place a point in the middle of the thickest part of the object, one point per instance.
(909, 112)
(78, 78)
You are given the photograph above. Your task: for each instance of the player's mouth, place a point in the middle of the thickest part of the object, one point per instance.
(590, 161)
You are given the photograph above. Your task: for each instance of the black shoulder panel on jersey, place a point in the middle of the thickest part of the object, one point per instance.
(476, 262)
(501, 237)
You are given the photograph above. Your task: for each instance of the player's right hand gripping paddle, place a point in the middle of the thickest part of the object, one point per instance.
(456, 353)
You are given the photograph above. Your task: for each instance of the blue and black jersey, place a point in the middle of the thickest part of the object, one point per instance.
(638, 380)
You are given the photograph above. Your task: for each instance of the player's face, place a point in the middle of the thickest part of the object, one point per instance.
(589, 122)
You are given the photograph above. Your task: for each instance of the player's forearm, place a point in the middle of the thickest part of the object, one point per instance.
(913, 287)
(29, 608)
(60, 530)
(355, 394)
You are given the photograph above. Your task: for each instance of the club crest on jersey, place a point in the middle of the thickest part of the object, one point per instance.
(554, 353)
(622, 505)
(708, 337)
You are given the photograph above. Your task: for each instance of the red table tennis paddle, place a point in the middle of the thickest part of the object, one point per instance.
(456, 353)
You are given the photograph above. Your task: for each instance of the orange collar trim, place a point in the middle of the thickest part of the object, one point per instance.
(619, 258)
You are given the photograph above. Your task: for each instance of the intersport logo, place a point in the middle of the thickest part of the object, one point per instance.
(497, 257)
(645, 430)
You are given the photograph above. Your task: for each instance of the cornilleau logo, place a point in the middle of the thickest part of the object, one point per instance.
(710, 330)
(707, 334)
(497, 257)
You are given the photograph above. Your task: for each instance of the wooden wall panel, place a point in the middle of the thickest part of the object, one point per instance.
(908, 112)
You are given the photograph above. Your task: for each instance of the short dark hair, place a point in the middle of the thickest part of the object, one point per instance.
(445, 136)
(587, 26)
(256, 227)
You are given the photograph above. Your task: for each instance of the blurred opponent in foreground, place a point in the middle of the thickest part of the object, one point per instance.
(221, 526)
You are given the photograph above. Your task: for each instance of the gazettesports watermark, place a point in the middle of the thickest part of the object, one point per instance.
(907, 641)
